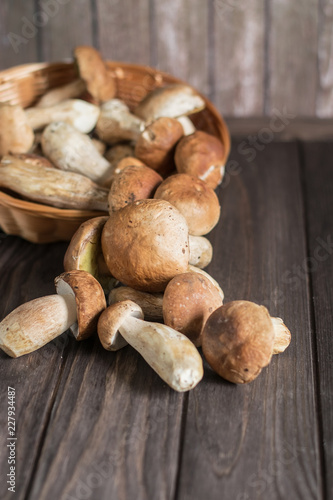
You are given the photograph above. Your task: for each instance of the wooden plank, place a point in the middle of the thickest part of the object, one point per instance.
(274, 128)
(124, 30)
(182, 40)
(325, 60)
(292, 42)
(114, 431)
(239, 54)
(259, 440)
(27, 271)
(69, 24)
(319, 209)
(19, 34)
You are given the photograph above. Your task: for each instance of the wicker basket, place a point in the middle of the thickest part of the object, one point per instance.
(24, 85)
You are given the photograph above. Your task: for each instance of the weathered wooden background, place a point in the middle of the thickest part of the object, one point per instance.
(250, 57)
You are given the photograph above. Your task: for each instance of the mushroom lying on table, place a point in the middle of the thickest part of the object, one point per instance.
(239, 339)
(77, 305)
(171, 354)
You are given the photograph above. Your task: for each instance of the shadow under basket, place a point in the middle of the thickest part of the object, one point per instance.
(24, 84)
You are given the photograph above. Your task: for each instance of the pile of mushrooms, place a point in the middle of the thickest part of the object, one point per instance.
(136, 274)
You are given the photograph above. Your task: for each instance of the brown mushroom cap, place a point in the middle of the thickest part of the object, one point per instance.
(111, 319)
(84, 252)
(145, 244)
(89, 297)
(93, 70)
(238, 340)
(189, 299)
(136, 182)
(202, 155)
(156, 144)
(194, 199)
(172, 100)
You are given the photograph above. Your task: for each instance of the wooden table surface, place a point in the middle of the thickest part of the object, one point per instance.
(92, 424)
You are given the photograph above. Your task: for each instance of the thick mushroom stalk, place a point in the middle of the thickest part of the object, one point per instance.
(77, 305)
(172, 355)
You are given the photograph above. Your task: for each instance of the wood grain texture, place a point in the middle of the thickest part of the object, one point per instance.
(182, 40)
(124, 30)
(19, 36)
(319, 195)
(70, 23)
(239, 38)
(259, 440)
(27, 272)
(325, 59)
(292, 55)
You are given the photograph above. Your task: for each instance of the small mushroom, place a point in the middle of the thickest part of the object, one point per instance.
(16, 134)
(173, 100)
(58, 94)
(93, 70)
(51, 186)
(84, 252)
(70, 150)
(77, 305)
(194, 199)
(145, 244)
(201, 155)
(201, 251)
(150, 303)
(171, 354)
(119, 151)
(136, 182)
(189, 299)
(116, 123)
(156, 145)
(238, 340)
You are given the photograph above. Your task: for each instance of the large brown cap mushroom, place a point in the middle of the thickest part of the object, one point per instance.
(189, 299)
(16, 135)
(145, 244)
(202, 155)
(238, 340)
(89, 297)
(156, 144)
(173, 100)
(194, 199)
(93, 70)
(136, 182)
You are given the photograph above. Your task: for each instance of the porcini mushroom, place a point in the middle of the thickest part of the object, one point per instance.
(201, 155)
(145, 244)
(80, 114)
(16, 135)
(116, 123)
(136, 182)
(194, 199)
(94, 72)
(84, 252)
(172, 100)
(69, 149)
(171, 354)
(156, 145)
(77, 305)
(238, 340)
(189, 299)
(201, 251)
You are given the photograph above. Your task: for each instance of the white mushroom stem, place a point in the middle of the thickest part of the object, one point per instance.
(187, 124)
(150, 303)
(35, 323)
(80, 114)
(172, 355)
(116, 123)
(282, 336)
(59, 94)
(201, 251)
